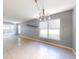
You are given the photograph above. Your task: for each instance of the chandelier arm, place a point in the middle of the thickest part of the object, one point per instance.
(42, 15)
(36, 1)
(38, 7)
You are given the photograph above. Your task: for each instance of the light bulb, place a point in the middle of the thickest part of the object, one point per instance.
(40, 19)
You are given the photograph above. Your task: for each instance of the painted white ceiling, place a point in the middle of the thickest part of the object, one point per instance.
(23, 10)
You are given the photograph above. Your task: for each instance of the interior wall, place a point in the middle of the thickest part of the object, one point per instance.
(30, 31)
(74, 29)
(65, 28)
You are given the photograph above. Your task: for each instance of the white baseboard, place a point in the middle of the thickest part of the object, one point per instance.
(58, 45)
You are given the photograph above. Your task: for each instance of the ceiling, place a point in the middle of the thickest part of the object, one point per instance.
(23, 10)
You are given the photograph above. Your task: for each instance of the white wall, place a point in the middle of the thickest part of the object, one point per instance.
(74, 29)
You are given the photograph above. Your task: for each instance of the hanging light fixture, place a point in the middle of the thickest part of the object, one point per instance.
(42, 16)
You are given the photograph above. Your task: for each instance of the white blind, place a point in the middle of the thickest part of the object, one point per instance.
(50, 30)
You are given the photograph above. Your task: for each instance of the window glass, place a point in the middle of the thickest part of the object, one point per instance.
(50, 31)
(43, 29)
(9, 29)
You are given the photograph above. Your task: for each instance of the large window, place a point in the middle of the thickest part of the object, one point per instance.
(50, 29)
(43, 29)
(9, 29)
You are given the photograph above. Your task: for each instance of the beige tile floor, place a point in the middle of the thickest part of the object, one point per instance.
(20, 48)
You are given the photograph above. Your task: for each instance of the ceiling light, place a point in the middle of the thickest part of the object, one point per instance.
(40, 19)
(42, 15)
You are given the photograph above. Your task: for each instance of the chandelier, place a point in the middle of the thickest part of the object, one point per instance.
(42, 15)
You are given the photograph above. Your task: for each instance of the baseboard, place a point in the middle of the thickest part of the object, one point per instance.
(57, 45)
(74, 51)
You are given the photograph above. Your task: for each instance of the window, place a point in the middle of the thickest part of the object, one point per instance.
(43, 29)
(9, 29)
(50, 29)
(19, 29)
(54, 29)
